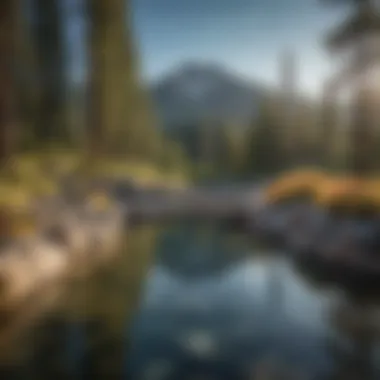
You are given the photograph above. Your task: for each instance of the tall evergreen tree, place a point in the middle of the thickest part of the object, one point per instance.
(305, 125)
(48, 31)
(8, 116)
(265, 151)
(356, 34)
(328, 125)
(26, 78)
(119, 114)
(288, 105)
(233, 149)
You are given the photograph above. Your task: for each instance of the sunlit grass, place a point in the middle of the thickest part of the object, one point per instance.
(36, 174)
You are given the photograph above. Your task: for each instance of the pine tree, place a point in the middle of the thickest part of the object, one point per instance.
(51, 124)
(287, 107)
(265, 153)
(233, 148)
(356, 34)
(328, 124)
(27, 82)
(120, 118)
(8, 115)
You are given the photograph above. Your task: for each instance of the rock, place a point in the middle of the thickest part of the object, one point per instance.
(28, 265)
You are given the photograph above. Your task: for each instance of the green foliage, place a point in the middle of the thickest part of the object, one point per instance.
(123, 120)
(234, 153)
(173, 157)
(49, 48)
(265, 148)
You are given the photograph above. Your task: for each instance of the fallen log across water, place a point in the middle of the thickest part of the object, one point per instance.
(192, 204)
(344, 248)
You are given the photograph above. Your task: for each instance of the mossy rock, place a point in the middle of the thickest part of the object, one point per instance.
(16, 210)
(16, 223)
(23, 226)
(99, 201)
(15, 196)
(45, 187)
(34, 166)
(26, 169)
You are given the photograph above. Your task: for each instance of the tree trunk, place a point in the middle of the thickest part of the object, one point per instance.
(8, 27)
(119, 116)
(361, 149)
(27, 77)
(96, 88)
(328, 127)
(51, 123)
(107, 73)
(288, 81)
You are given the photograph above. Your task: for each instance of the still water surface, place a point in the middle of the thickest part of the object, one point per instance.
(193, 302)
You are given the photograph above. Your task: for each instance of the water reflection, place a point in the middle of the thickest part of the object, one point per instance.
(207, 306)
(260, 309)
(197, 250)
(81, 335)
(228, 323)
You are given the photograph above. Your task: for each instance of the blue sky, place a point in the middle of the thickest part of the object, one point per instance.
(246, 36)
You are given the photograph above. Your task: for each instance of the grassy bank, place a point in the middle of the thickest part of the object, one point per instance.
(34, 174)
(38, 174)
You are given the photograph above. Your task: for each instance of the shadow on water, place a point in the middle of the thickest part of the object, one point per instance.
(196, 301)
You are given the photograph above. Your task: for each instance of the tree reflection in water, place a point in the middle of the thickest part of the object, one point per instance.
(355, 319)
(358, 326)
(82, 336)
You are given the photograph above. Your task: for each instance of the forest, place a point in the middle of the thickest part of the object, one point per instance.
(107, 123)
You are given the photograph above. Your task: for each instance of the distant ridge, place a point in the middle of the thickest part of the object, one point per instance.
(194, 92)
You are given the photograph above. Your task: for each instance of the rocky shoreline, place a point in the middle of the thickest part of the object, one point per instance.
(75, 235)
(342, 249)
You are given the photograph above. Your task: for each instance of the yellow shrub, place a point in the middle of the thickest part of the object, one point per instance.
(345, 192)
(373, 190)
(297, 184)
(349, 193)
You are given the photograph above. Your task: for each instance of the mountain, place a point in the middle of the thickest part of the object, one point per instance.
(197, 92)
